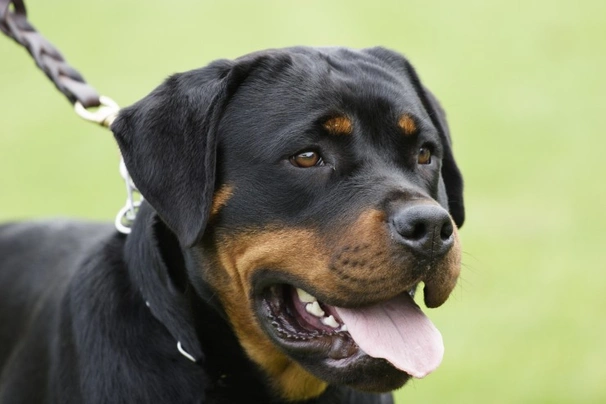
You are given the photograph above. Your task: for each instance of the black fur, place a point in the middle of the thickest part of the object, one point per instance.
(74, 324)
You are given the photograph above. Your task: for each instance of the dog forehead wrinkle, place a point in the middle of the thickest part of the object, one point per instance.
(258, 117)
(310, 70)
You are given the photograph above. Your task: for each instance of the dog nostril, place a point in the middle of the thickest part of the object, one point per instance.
(447, 230)
(410, 227)
(419, 230)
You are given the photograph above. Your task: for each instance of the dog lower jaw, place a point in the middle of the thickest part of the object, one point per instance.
(327, 352)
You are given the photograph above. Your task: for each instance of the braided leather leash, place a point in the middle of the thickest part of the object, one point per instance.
(14, 23)
(68, 81)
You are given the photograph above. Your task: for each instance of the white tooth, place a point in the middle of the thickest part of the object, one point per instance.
(305, 297)
(314, 308)
(343, 328)
(330, 321)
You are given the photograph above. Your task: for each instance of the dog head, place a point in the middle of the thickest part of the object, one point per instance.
(316, 188)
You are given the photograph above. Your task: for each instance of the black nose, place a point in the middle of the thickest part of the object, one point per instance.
(426, 229)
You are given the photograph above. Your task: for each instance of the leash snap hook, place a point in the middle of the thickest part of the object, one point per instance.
(104, 115)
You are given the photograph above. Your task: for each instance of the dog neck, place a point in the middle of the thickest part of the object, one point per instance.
(194, 318)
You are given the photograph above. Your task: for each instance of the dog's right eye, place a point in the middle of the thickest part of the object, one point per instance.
(307, 159)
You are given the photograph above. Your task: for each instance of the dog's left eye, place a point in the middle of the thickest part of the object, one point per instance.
(307, 159)
(424, 156)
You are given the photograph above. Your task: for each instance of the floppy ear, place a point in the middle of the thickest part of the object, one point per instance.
(169, 143)
(451, 174)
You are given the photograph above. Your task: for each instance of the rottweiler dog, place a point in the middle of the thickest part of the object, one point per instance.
(295, 199)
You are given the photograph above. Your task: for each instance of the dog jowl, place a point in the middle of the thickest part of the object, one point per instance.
(295, 201)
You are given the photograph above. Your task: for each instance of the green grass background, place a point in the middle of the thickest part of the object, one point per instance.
(524, 86)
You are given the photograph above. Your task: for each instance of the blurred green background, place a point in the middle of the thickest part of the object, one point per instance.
(525, 90)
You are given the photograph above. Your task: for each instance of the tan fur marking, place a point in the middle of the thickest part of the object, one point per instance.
(339, 125)
(407, 124)
(444, 277)
(220, 198)
(239, 257)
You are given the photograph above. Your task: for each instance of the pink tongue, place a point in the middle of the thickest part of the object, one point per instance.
(396, 330)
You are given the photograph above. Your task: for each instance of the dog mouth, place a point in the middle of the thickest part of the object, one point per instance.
(394, 332)
(297, 315)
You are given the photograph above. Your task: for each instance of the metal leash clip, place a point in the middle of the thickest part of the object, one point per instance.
(105, 116)
(126, 216)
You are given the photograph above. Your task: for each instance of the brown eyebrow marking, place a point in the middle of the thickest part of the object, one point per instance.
(338, 125)
(407, 124)
(220, 198)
